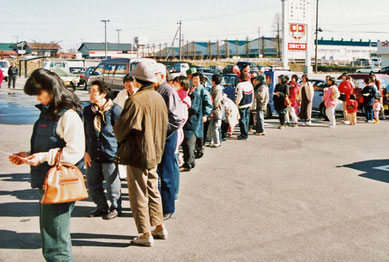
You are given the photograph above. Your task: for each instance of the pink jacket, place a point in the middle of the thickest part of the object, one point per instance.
(1, 76)
(330, 96)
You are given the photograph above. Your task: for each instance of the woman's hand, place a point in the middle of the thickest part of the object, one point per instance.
(87, 160)
(33, 160)
(18, 158)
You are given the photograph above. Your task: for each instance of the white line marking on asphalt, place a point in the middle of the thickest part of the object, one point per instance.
(383, 168)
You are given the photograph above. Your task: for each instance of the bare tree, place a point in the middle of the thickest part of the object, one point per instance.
(187, 50)
(277, 29)
(227, 49)
(237, 47)
(247, 47)
(209, 50)
(217, 50)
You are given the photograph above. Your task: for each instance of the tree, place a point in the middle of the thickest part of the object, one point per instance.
(247, 47)
(277, 29)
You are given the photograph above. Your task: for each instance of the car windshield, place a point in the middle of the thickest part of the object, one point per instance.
(3, 64)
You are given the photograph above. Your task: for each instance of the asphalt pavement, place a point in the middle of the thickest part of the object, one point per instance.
(298, 194)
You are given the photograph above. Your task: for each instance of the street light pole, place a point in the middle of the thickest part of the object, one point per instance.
(105, 24)
(317, 30)
(118, 30)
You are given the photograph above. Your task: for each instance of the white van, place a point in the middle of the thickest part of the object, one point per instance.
(56, 64)
(4, 65)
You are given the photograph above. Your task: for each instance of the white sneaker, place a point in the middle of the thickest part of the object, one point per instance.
(163, 234)
(346, 122)
(308, 123)
(215, 145)
(147, 242)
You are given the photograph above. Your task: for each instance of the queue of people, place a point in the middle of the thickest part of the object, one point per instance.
(142, 130)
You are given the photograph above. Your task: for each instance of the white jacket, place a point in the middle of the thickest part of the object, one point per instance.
(309, 91)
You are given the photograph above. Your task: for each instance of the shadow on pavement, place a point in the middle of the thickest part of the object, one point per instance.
(374, 169)
(15, 177)
(14, 240)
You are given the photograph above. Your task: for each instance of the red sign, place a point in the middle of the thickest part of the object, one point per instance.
(385, 44)
(297, 46)
(297, 31)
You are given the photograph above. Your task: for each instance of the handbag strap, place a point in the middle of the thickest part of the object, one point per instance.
(58, 158)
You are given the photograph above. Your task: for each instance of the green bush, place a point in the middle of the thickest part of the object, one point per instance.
(336, 68)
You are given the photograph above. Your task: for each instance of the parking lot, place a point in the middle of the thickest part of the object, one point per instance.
(298, 194)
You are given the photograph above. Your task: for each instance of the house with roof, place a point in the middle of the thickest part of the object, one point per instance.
(37, 49)
(6, 50)
(97, 50)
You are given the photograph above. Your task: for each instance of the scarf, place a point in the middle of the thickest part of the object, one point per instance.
(99, 113)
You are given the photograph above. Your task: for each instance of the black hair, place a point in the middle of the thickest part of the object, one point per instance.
(217, 79)
(244, 76)
(367, 80)
(127, 78)
(295, 77)
(202, 79)
(332, 80)
(286, 77)
(103, 88)
(196, 74)
(283, 79)
(62, 99)
(353, 97)
(244, 66)
(306, 76)
(344, 74)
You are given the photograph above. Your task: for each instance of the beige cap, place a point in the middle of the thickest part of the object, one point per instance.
(160, 68)
(145, 71)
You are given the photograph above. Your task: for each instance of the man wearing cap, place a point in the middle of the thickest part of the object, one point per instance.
(166, 169)
(190, 72)
(141, 132)
(261, 93)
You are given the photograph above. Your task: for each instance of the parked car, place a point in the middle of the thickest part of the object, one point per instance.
(362, 62)
(4, 65)
(113, 70)
(89, 71)
(56, 64)
(81, 72)
(384, 70)
(216, 69)
(181, 68)
(71, 80)
(228, 69)
(368, 70)
(317, 101)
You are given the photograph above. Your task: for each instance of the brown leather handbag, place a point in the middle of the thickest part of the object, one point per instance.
(63, 184)
(287, 101)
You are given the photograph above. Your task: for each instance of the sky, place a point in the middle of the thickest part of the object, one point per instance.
(71, 22)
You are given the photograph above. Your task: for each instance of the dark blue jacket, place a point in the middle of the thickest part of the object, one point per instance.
(44, 137)
(368, 100)
(194, 125)
(101, 147)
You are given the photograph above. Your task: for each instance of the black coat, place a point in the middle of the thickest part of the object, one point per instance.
(279, 101)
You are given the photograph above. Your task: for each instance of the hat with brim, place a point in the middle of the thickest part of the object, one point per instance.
(260, 78)
(145, 71)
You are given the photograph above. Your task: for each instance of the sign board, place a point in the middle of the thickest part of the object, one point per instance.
(297, 37)
(383, 48)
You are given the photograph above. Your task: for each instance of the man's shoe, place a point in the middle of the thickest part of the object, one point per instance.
(97, 213)
(147, 241)
(111, 214)
(199, 155)
(167, 216)
(162, 234)
(184, 169)
(215, 145)
(242, 138)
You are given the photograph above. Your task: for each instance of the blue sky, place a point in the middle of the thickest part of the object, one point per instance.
(70, 22)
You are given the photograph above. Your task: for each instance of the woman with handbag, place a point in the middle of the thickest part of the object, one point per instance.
(59, 127)
(346, 88)
(281, 99)
(306, 97)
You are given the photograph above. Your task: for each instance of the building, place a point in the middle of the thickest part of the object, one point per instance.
(383, 52)
(37, 49)
(6, 50)
(97, 50)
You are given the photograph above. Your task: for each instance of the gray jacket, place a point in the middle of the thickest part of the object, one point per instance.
(262, 96)
(217, 96)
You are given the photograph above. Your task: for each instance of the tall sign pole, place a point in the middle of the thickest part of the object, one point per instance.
(317, 31)
(105, 25)
(285, 30)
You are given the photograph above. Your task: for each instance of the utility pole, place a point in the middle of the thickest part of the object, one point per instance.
(317, 31)
(118, 30)
(105, 25)
(180, 39)
(259, 46)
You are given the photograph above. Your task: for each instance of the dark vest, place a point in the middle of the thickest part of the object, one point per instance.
(44, 138)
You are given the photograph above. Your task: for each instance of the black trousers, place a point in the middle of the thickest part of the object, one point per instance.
(13, 80)
(188, 146)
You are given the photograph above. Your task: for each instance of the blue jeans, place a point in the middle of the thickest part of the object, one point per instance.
(54, 220)
(369, 112)
(166, 171)
(95, 175)
(176, 177)
(244, 122)
(260, 121)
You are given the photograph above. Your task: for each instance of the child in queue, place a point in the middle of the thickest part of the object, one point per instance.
(352, 109)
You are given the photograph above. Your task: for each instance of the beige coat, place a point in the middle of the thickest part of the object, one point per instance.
(309, 91)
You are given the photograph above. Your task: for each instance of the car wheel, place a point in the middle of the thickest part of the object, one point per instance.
(323, 111)
(268, 113)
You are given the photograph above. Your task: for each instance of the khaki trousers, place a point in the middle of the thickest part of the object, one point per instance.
(145, 199)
